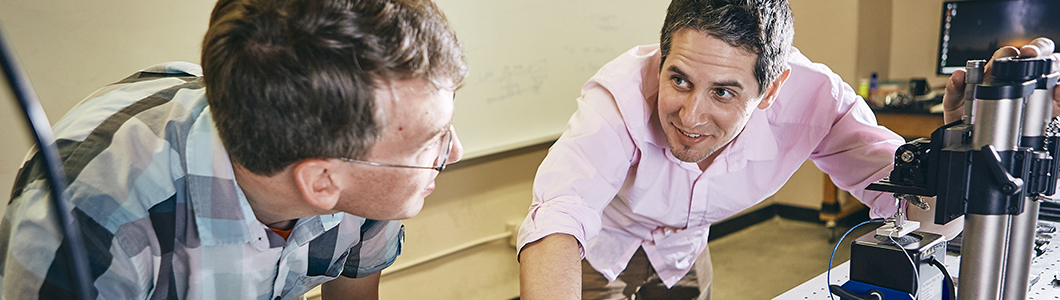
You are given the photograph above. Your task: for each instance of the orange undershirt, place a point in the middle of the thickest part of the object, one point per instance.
(283, 233)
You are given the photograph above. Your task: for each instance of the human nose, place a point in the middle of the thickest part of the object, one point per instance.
(694, 111)
(457, 150)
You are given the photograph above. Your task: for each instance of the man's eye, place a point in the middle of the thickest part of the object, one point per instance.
(680, 82)
(723, 93)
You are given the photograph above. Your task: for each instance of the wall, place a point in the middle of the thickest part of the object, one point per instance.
(826, 31)
(915, 40)
(874, 39)
(16, 143)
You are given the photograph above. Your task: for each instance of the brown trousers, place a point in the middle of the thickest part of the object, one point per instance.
(639, 281)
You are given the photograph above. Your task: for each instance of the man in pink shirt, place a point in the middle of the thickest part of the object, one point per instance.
(671, 138)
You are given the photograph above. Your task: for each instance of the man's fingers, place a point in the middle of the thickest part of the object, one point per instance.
(954, 90)
(1045, 46)
(1005, 51)
(953, 100)
(1029, 51)
(1039, 47)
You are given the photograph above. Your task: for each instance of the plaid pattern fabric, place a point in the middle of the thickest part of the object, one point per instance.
(161, 215)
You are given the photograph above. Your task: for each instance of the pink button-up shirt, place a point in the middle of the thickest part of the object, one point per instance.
(611, 182)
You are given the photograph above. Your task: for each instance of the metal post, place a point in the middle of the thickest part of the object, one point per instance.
(974, 70)
(1020, 252)
(982, 257)
(985, 242)
(1038, 114)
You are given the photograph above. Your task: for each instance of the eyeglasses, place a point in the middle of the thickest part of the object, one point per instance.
(439, 163)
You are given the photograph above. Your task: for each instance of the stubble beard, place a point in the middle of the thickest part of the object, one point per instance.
(685, 153)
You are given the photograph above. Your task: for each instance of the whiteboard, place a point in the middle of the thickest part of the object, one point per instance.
(528, 59)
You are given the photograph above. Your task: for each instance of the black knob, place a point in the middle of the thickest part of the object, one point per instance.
(1020, 69)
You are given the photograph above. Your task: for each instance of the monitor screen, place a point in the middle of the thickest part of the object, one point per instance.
(974, 29)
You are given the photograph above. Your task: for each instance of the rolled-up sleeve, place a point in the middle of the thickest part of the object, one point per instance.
(582, 172)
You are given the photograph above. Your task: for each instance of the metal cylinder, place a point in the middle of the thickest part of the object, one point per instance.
(973, 75)
(1022, 228)
(997, 123)
(1038, 112)
(982, 257)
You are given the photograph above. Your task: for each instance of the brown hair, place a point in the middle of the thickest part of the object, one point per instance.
(291, 80)
(761, 27)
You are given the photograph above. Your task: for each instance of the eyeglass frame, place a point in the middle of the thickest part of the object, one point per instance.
(447, 138)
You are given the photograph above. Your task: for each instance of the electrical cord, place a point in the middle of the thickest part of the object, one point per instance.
(42, 132)
(948, 279)
(916, 271)
(828, 274)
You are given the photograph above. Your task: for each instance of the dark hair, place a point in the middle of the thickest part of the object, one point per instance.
(291, 80)
(761, 27)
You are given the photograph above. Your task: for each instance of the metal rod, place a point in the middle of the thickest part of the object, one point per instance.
(1020, 251)
(997, 123)
(982, 256)
(974, 70)
(1038, 112)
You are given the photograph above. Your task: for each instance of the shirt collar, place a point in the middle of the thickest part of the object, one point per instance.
(222, 213)
(307, 229)
(755, 143)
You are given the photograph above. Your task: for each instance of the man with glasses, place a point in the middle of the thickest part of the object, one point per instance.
(270, 170)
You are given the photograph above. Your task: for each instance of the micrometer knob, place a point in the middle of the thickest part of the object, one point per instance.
(1020, 69)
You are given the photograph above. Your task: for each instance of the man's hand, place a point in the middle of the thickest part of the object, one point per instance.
(953, 101)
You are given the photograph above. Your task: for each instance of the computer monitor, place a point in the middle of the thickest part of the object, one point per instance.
(974, 29)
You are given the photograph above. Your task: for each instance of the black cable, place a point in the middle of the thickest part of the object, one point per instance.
(948, 279)
(42, 132)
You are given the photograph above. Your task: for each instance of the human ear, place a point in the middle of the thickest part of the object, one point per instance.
(774, 87)
(317, 182)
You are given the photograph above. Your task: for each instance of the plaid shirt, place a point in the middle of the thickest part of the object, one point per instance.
(152, 190)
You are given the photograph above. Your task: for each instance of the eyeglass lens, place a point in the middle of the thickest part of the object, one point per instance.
(446, 147)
